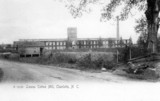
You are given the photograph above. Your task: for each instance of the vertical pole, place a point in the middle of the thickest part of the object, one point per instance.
(117, 27)
(117, 56)
(130, 54)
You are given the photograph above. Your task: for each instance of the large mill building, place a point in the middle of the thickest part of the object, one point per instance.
(36, 46)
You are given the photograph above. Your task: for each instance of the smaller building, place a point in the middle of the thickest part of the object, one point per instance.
(29, 48)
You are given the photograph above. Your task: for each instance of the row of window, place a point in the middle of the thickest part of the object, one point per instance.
(89, 47)
(62, 48)
(83, 46)
(88, 42)
(83, 42)
(55, 43)
(103, 42)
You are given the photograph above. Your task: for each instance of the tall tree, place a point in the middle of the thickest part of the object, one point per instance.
(141, 28)
(151, 10)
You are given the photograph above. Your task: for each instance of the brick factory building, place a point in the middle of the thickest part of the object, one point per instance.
(72, 42)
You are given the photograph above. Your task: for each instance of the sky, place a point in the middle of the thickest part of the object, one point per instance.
(47, 19)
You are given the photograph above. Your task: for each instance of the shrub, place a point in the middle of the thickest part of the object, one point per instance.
(109, 64)
(63, 58)
(124, 53)
(57, 58)
(89, 62)
(85, 61)
(14, 56)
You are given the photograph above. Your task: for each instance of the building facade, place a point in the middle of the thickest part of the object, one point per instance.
(83, 43)
(71, 42)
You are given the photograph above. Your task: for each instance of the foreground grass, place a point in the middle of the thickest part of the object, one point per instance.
(145, 76)
(86, 62)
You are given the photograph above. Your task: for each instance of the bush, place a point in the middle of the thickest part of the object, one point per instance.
(89, 62)
(63, 58)
(57, 58)
(14, 56)
(83, 60)
(109, 64)
(124, 53)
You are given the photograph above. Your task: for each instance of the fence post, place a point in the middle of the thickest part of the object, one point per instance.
(117, 55)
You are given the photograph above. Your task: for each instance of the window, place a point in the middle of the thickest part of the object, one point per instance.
(53, 43)
(57, 43)
(104, 42)
(46, 48)
(64, 43)
(46, 43)
(60, 43)
(50, 43)
(49, 48)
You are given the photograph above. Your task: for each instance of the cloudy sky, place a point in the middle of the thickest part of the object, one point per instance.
(39, 19)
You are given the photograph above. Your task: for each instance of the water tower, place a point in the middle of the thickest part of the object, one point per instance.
(72, 36)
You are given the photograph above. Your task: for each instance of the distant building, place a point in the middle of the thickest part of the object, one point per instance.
(81, 43)
(29, 48)
(72, 42)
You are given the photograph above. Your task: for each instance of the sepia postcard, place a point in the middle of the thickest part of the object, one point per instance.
(79, 50)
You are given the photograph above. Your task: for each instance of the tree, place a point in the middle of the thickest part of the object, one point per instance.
(68, 44)
(100, 42)
(141, 28)
(151, 10)
(110, 43)
(121, 43)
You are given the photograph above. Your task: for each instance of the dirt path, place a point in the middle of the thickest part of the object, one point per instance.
(22, 72)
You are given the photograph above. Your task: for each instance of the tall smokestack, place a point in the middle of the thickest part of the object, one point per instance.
(117, 27)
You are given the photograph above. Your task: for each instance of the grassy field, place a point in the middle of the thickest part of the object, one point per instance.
(78, 60)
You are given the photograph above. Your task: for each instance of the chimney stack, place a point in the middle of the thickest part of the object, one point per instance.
(117, 27)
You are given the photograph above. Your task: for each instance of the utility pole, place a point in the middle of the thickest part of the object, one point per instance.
(117, 28)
